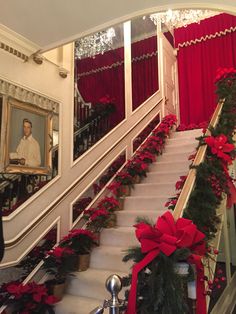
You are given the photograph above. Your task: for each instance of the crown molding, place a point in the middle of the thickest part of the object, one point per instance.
(16, 44)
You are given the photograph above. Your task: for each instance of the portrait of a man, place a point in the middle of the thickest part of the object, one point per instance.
(28, 139)
(28, 150)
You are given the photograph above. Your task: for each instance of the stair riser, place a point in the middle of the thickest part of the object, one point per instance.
(183, 166)
(123, 239)
(153, 190)
(175, 157)
(88, 289)
(132, 203)
(163, 178)
(109, 261)
(180, 148)
(130, 220)
(187, 134)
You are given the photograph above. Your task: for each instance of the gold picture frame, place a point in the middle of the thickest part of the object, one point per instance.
(28, 153)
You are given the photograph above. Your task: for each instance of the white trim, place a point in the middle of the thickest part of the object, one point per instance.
(14, 262)
(17, 42)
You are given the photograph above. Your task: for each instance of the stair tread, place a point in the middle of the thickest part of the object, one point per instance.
(76, 305)
(96, 275)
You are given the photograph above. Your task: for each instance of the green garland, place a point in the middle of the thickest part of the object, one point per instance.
(202, 204)
(160, 289)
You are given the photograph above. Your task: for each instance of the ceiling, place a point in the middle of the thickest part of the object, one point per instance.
(50, 23)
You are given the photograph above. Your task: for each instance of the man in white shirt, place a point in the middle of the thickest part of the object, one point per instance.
(28, 150)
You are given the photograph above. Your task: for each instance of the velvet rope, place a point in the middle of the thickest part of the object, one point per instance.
(167, 236)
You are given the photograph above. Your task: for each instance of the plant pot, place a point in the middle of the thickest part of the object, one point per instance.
(97, 235)
(58, 290)
(137, 179)
(121, 201)
(83, 262)
(111, 222)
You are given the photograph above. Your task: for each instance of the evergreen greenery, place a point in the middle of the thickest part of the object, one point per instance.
(160, 289)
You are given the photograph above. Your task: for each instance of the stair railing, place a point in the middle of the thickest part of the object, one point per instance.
(190, 181)
(221, 211)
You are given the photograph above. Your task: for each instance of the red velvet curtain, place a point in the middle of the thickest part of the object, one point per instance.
(105, 82)
(197, 65)
(144, 70)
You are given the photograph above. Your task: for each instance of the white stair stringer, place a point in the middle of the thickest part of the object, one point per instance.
(86, 290)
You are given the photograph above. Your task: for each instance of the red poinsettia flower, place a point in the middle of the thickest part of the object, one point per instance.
(18, 289)
(223, 73)
(179, 184)
(58, 251)
(99, 213)
(51, 299)
(219, 146)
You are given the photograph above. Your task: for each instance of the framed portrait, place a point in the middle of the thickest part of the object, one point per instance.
(29, 139)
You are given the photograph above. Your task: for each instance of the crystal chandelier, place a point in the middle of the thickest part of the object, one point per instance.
(94, 44)
(179, 18)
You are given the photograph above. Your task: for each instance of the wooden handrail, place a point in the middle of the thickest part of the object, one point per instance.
(190, 181)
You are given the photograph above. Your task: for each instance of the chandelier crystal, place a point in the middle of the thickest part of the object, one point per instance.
(94, 44)
(180, 18)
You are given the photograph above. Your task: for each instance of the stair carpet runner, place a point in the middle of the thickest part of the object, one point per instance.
(86, 290)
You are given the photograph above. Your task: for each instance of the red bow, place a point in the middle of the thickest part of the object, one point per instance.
(166, 237)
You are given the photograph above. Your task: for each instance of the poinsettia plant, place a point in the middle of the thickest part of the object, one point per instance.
(109, 203)
(124, 178)
(79, 241)
(135, 167)
(59, 262)
(30, 298)
(225, 82)
(97, 218)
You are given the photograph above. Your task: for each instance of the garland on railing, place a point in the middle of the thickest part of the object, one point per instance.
(156, 282)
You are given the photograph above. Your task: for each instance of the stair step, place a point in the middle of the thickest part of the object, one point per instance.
(176, 148)
(145, 202)
(154, 189)
(170, 166)
(76, 305)
(128, 218)
(190, 133)
(109, 258)
(158, 177)
(183, 155)
(119, 236)
(91, 283)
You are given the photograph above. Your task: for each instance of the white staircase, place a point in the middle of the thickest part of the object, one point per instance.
(86, 290)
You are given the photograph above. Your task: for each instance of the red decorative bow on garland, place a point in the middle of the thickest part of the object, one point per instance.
(167, 236)
(220, 147)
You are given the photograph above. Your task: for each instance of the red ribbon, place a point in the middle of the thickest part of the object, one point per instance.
(166, 237)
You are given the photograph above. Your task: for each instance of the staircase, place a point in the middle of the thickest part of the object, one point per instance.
(86, 290)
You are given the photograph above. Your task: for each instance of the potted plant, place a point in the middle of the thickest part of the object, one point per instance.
(126, 182)
(98, 218)
(110, 203)
(59, 262)
(137, 169)
(80, 205)
(81, 242)
(31, 298)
